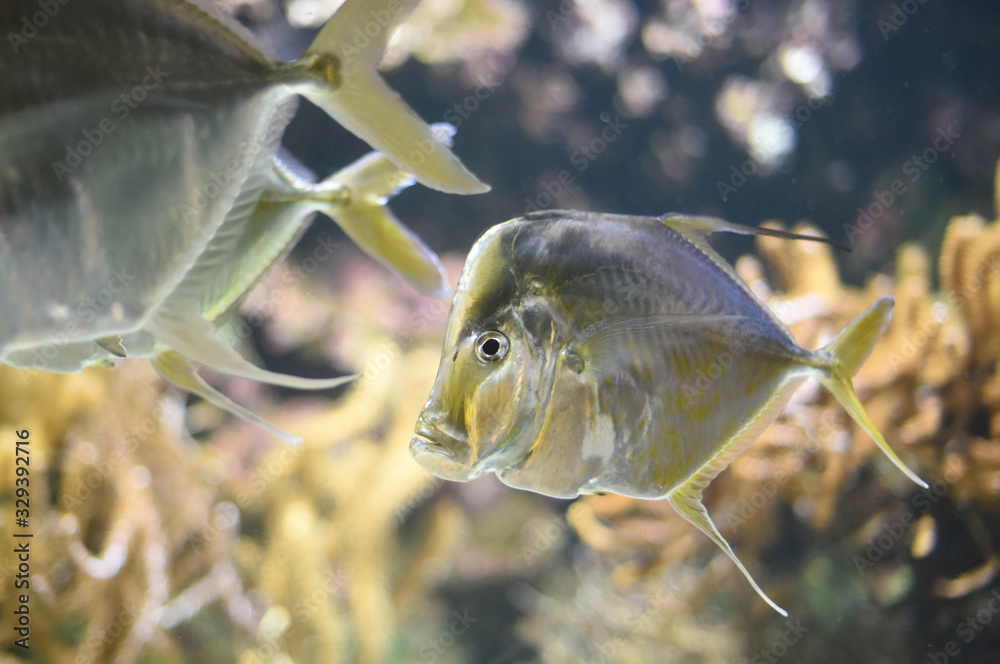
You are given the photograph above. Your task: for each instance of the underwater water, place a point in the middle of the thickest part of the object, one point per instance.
(169, 531)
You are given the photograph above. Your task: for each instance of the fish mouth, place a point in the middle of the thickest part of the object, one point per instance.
(426, 445)
(435, 451)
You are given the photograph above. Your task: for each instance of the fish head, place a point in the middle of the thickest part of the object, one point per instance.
(486, 405)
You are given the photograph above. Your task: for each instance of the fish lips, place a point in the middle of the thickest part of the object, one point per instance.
(437, 452)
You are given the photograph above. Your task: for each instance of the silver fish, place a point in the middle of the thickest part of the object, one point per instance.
(183, 326)
(573, 351)
(131, 131)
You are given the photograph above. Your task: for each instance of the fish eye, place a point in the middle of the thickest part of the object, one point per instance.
(492, 346)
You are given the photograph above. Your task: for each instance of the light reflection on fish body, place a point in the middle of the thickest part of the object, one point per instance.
(577, 360)
(137, 141)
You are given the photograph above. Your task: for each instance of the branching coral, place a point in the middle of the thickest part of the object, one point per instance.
(147, 544)
(116, 500)
(243, 548)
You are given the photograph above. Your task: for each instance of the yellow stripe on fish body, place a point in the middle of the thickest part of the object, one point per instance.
(593, 352)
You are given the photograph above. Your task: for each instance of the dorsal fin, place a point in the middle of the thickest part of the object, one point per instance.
(697, 229)
(708, 225)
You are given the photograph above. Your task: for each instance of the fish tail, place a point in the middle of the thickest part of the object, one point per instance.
(345, 56)
(838, 361)
(368, 221)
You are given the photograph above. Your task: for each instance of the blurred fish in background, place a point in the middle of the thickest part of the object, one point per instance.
(142, 194)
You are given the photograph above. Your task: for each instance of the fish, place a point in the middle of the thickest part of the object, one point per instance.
(183, 328)
(132, 131)
(600, 353)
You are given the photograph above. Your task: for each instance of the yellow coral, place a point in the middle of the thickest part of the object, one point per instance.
(926, 386)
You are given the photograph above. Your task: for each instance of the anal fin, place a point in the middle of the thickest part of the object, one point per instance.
(686, 500)
(113, 345)
(181, 373)
(193, 337)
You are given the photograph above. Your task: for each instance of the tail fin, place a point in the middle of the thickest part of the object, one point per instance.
(346, 54)
(368, 221)
(846, 353)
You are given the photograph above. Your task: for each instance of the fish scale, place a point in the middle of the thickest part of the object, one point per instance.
(651, 399)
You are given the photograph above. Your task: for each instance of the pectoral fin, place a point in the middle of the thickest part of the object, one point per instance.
(113, 345)
(686, 499)
(179, 371)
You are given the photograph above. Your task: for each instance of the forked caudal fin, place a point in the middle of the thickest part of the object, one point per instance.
(369, 222)
(841, 358)
(833, 365)
(347, 53)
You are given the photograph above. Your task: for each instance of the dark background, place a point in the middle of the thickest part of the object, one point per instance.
(938, 68)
